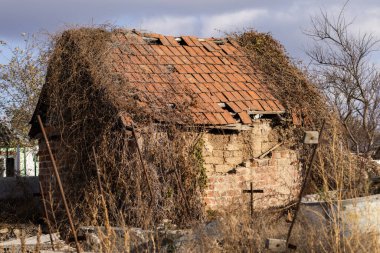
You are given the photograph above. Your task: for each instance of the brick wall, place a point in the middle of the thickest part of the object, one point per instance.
(46, 173)
(231, 163)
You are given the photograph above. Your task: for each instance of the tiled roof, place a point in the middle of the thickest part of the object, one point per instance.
(216, 72)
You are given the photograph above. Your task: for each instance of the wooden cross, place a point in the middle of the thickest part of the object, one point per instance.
(251, 191)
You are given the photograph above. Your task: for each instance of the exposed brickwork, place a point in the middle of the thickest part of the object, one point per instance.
(231, 163)
(46, 174)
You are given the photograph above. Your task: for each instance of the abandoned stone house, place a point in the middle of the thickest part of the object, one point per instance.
(237, 112)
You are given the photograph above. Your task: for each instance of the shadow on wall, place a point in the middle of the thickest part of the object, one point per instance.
(19, 199)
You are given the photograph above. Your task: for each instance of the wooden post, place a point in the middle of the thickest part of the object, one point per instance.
(308, 171)
(56, 173)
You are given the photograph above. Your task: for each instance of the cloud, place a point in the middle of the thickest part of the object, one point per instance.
(227, 22)
(171, 25)
(368, 23)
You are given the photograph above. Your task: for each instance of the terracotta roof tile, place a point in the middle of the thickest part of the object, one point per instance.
(201, 60)
(183, 51)
(221, 97)
(199, 78)
(212, 119)
(234, 107)
(237, 95)
(273, 105)
(265, 105)
(175, 51)
(256, 106)
(245, 117)
(199, 51)
(172, 41)
(227, 86)
(158, 50)
(205, 98)
(210, 87)
(166, 50)
(184, 59)
(219, 87)
(243, 106)
(177, 60)
(188, 69)
(253, 95)
(229, 96)
(203, 88)
(225, 78)
(216, 73)
(228, 118)
(196, 68)
(207, 78)
(194, 60)
(213, 97)
(245, 95)
(220, 118)
(191, 51)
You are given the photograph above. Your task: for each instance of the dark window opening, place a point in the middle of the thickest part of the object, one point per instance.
(10, 167)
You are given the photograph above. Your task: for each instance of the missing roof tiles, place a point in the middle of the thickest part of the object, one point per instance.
(219, 42)
(171, 68)
(181, 41)
(152, 41)
(171, 105)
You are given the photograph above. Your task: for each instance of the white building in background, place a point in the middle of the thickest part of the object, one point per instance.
(18, 161)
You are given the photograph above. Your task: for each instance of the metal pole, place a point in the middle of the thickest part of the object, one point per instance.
(55, 169)
(46, 216)
(308, 171)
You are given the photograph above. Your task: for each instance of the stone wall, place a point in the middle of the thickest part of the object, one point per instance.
(232, 163)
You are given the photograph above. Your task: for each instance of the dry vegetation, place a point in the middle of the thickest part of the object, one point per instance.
(85, 103)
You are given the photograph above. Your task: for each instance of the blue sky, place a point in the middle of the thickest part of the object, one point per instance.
(285, 19)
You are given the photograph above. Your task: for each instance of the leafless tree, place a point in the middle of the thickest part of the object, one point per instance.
(21, 79)
(344, 69)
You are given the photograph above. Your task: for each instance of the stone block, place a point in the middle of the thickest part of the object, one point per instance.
(233, 147)
(214, 160)
(233, 160)
(217, 153)
(222, 168)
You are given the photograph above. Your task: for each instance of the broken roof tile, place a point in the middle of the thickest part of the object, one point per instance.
(234, 106)
(245, 119)
(228, 118)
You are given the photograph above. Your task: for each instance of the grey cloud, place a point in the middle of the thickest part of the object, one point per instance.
(284, 19)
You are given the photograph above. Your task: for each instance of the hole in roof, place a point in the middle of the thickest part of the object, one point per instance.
(219, 42)
(171, 105)
(171, 68)
(234, 115)
(181, 41)
(152, 41)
